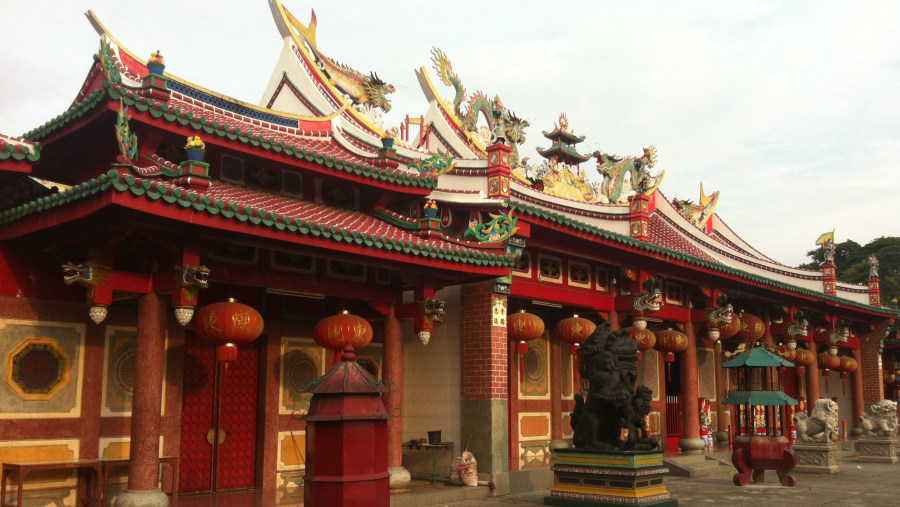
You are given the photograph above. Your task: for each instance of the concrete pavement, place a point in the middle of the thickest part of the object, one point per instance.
(857, 484)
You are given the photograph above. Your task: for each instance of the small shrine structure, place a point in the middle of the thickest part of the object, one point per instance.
(761, 444)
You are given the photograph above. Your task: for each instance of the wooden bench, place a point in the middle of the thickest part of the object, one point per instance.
(89, 473)
(93, 478)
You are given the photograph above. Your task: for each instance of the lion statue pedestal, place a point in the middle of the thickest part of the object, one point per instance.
(603, 468)
(815, 448)
(879, 425)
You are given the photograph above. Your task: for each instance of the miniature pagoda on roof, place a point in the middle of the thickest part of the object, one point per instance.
(563, 148)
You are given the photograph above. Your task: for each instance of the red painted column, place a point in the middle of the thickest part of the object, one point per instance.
(812, 378)
(149, 364)
(722, 421)
(555, 392)
(614, 324)
(393, 372)
(858, 393)
(690, 442)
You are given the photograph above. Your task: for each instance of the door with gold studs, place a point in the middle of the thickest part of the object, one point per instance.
(218, 421)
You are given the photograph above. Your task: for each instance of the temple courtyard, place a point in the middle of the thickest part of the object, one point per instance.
(857, 484)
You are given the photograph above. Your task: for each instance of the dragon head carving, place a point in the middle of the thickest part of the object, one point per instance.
(87, 273)
(797, 329)
(433, 310)
(196, 277)
(376, 92)
(719, 315)
(647, 301)
(514, 129)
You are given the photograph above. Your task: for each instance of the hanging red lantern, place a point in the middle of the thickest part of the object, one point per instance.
(730, 329)
(670, 341)
(804, 357)
(228, 324)
(573, 330)
(828, 362)
(787, 353)
(333, 332)
(752, 328)
(523, 327)
(848, 365)
(646, 340)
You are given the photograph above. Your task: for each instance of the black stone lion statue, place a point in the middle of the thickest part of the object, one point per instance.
(612, 403)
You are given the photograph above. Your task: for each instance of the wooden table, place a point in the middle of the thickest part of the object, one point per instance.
(89, 473)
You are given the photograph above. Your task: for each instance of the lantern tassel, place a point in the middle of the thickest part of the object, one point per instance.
(226, 353)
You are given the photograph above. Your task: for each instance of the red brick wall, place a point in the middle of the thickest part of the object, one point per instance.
(485, 373)
(873, 387)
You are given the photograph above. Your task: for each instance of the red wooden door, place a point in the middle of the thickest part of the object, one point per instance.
(218, 420)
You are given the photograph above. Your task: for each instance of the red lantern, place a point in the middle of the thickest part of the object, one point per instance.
(573, 330)
(228, 324)
(729, 330)
(828, 362)
(523, 327)
(333, 332)
(787, 353)
(670, 341)
(847, 366)
(752, 328)
(804, 357)
(646, 339)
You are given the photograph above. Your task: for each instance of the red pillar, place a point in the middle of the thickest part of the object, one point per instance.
(812, 379)
(722, 421)
(690, 442)
(614, 324)
(149, 364)
(555, 391)
(393, 372)
(858, 392)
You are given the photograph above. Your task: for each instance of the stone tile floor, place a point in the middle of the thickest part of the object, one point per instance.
(857, 484)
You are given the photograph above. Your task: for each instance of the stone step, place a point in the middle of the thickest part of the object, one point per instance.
(699, 465)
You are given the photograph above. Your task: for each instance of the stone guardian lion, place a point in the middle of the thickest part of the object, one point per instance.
(880, 420)
(821, 426)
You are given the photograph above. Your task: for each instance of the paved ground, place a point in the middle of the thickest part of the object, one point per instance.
(857, 484)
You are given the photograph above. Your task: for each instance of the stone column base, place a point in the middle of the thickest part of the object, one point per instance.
(146, 498)
(400, 477)
(877, 450)
(816, 457)
(691, 445)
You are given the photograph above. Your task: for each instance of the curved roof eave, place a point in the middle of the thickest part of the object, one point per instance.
(317, 223)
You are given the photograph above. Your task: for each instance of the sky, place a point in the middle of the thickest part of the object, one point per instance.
(790, 109)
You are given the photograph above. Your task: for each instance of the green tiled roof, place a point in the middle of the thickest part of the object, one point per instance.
(575, 225)
(157, 190)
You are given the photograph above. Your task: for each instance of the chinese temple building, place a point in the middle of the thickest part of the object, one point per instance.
(152, 197)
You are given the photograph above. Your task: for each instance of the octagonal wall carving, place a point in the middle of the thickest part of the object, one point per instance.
(43, 364)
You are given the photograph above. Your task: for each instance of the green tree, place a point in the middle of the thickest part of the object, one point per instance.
(852, 261)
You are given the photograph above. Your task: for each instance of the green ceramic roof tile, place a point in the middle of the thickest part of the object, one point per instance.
(703, 263)
(165, 192)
